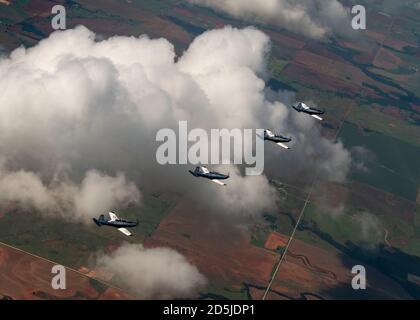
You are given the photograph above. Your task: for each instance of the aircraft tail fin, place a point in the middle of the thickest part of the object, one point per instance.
(100, 220)
(194, 173)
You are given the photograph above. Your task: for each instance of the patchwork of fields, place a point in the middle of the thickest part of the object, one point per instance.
(370, 89)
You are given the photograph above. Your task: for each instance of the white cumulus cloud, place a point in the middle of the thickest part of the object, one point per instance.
(316, 19)
(159, 273)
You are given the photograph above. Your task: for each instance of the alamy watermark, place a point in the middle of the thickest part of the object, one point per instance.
(359, 20)
(197, 146)
(58, 22)
(58, 282)
(359, 280)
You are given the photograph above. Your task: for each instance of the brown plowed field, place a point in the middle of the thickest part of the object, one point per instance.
(25, 276)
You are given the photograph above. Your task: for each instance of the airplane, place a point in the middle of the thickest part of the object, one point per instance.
(302, 107)
(116, 222)
(277, 139)
(212, 176)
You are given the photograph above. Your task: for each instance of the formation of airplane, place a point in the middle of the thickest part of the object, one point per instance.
(302, 107)
(116, 222)
(280, 140)
(203, 172)
(277, 139)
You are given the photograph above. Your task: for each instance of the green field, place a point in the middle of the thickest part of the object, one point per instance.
(150, 214)
(358, 227)
(374, 120)
(72, 244)
(361, 227)
(67, 243)
(279, 220)
(221, 291)
(276, 66)
(394, 167)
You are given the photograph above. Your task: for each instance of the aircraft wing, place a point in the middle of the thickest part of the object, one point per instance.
(282, 145)
(220, 183)
(125, 231)
(113, 216)
(316, 116)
